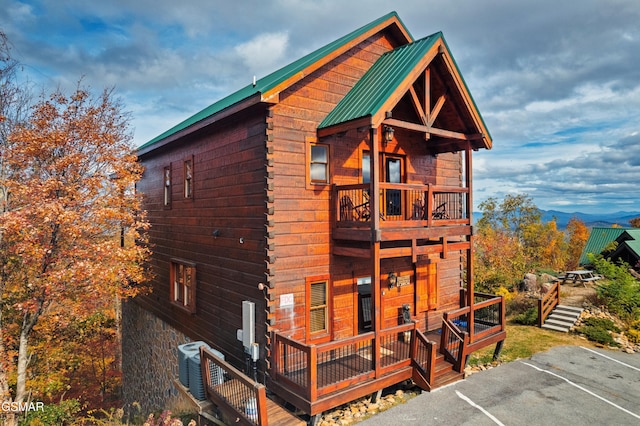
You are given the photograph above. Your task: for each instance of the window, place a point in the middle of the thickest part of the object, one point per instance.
(366, 167)
(167, 186)
(318, 300)
(318, 311)
(183, 284)
(188, 178)
(319, 164)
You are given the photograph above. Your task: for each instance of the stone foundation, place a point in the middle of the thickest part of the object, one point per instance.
(150, 362)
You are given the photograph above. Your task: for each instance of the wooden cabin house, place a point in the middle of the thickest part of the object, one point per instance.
(334, 198)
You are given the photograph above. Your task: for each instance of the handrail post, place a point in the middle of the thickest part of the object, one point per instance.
(261, 403)
(312, 373)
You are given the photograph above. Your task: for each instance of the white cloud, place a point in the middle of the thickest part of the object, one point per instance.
(263, 52)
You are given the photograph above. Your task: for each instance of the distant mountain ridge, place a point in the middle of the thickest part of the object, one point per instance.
(591, 220)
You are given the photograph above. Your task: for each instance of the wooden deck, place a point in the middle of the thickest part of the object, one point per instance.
(319, 377)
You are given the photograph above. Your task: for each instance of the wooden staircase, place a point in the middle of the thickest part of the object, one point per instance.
(442, 371)
(445, 373)
(562, 318)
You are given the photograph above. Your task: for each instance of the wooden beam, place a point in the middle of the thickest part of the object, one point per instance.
(436, 110)
(427, 92)
(433, 130)
(416, 105)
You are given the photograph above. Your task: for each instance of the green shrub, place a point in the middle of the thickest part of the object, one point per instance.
(598, 335)
(604, 323)
(620, 291)
(528, 317)
(54, 414)
(519, 304)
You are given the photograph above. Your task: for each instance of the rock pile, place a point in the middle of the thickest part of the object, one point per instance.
(364, 407)
(620, 338)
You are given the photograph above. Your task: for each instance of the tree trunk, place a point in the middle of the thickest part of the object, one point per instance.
(23, 361)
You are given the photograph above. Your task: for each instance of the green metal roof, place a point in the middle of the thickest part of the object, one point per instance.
(383, 78)
(598, 240)
(272, 80)
(630, 234)
(634, 245)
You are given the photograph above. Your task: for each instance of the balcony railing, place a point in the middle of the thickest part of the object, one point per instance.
(402, 204)
(313, 371)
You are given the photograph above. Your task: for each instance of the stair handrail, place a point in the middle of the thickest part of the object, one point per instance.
(548, 302)
(453, 343)
(233, 392)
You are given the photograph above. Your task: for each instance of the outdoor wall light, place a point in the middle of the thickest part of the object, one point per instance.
(393, 279)
(388, 133)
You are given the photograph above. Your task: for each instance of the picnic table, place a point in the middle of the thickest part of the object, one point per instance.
(576, 277)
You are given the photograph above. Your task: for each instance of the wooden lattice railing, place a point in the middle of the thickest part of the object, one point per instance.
(312, 371)
(234, 393)
(423, 354)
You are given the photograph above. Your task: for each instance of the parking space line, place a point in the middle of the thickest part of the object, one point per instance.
(474, 405)
(611, 359)
(584, 390)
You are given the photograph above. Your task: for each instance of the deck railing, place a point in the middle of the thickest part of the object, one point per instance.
(454, 338)
(312, 371)
(548, 302)
(424, 357)
(232, 392)
(488, 315)
(419, 205)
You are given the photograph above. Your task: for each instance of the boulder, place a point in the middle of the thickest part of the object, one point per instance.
(530, 282)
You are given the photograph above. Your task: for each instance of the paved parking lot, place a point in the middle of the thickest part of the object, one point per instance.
(569, 385)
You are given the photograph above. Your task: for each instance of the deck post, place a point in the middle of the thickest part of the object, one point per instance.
(470, 277)
(375, 243)
(312, 371)
(498, 350)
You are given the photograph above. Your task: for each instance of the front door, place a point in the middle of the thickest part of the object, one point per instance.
(393, 173)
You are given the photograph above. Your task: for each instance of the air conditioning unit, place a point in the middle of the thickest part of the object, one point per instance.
(184, 353)
(196, 385)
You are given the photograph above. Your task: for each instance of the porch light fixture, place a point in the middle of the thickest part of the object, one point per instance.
(393, 279)
(388, 134)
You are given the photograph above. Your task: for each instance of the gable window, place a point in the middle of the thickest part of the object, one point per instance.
(183, 284)
(319, 163)
(318, 307)
(188, 178)
(166, 183)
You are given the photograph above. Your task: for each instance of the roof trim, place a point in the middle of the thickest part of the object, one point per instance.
(271, 85)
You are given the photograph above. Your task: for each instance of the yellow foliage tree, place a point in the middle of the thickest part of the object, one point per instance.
(578, 236)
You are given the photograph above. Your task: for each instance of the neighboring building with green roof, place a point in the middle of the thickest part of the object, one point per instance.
(628, 249)
(600, 238)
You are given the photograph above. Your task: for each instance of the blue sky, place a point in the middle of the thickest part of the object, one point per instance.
(557, 82)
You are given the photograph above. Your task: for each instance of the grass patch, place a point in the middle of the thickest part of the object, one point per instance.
(524, 341)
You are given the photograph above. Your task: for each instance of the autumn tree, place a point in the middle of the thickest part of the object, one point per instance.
(501, 252)
(578, 234)
(513, 215)
(545, 245)
(70, 172)
(635, 222)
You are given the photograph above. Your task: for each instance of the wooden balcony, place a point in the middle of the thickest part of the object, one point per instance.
(411, 219)
(315, 378)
